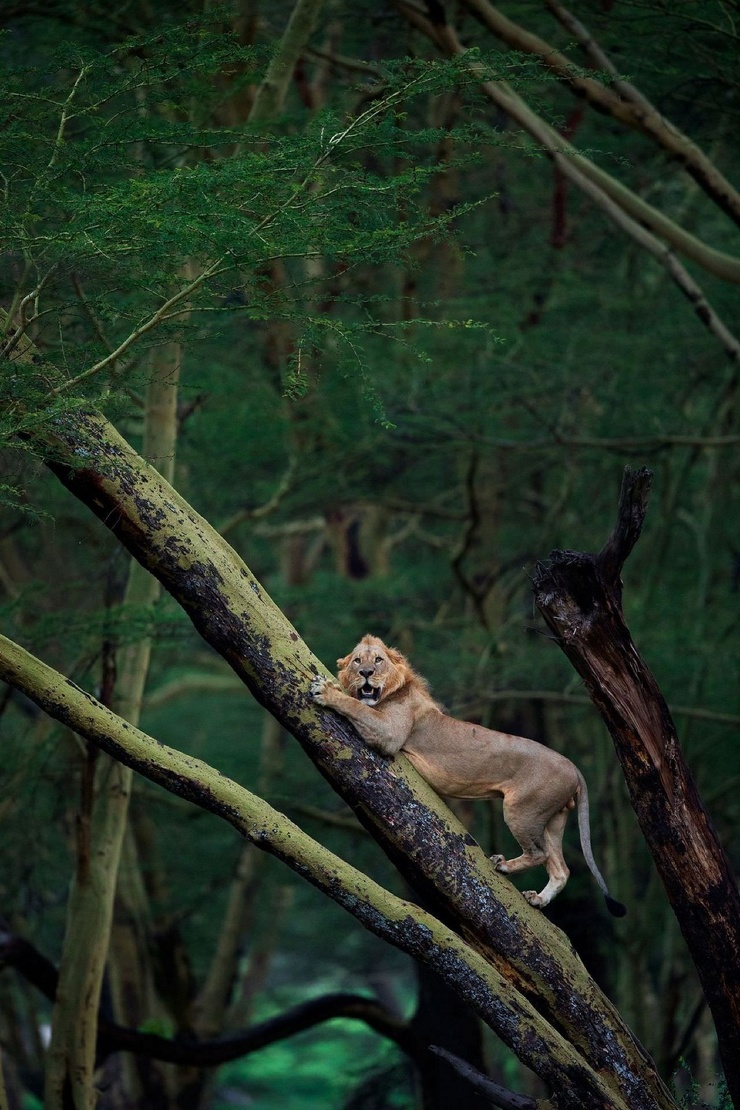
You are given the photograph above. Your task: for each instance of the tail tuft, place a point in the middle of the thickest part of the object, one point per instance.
(616, 909)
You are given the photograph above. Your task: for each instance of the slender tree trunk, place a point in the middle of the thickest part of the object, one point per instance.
(214, 996)
(132, 984)
(271, 94)
(71, 1059)
(580, 597)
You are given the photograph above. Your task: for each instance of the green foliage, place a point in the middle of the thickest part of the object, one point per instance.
(688, 1091)
(112, 184)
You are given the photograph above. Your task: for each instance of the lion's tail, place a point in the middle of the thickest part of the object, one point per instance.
(584, 828)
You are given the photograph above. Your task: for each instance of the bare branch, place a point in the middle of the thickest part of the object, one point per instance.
(500, 93)
(36, 969)
(635, 112)
(498, 1095)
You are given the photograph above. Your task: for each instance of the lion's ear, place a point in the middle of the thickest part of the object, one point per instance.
(343, 672)
(396, 657)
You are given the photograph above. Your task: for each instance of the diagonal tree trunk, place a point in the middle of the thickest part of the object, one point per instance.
(580, 597)
(233, 613)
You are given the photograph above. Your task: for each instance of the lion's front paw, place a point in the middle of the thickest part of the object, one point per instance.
(319, 687)
(499, 863)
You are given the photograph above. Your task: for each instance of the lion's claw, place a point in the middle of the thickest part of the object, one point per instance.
(317, 685)
(318, 688)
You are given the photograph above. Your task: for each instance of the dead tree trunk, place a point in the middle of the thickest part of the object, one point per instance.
(580, 597)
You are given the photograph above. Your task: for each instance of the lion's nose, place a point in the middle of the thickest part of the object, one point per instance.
(367, 671)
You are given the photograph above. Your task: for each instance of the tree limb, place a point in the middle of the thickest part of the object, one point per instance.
(720, 264)
(635, 112)
(40, 972)
(498, 1095)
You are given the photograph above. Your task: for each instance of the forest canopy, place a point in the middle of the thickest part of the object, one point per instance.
(326, 319)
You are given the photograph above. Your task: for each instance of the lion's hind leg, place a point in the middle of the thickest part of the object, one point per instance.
(541, 844)
(529, 834)
(557, 868)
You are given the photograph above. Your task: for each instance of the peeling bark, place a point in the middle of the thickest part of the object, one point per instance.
(579, 595)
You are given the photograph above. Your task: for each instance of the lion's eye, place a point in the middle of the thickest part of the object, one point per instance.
(378, 658)
(356, 659)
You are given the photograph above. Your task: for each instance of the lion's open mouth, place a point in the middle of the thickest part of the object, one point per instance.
(368, 693)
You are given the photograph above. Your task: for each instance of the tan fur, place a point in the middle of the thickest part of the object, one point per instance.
(462, 760)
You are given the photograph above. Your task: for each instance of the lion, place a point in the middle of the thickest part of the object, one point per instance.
(392, 709)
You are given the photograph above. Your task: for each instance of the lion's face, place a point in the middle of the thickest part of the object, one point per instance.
(372, 671)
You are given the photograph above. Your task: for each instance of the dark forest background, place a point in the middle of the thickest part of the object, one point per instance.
(428, 341)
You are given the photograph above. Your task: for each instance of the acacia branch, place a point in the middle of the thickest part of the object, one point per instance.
(635, 112)
(597, 56)
(675, 269)
(720, 264)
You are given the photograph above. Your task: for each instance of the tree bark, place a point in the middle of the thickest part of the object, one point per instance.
(580, 597)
